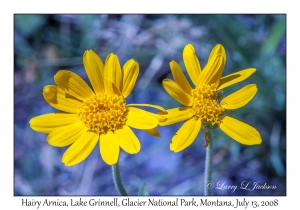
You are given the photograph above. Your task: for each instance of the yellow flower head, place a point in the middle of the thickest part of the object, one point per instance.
(203, 105)
(92, 115)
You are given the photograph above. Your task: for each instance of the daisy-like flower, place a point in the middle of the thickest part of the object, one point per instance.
(89, 116)
(203, 105)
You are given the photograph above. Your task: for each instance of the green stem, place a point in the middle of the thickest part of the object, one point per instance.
(117, 179)
(208, 165)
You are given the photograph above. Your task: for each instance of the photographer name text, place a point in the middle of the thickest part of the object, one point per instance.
(245, 185)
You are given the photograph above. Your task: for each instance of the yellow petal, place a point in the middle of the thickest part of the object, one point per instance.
(176, 115)
(185, 135)
(179, 77)
(212, 72)
(93, 66)
(130, 73)
(160, 117)
(128, 140)
(47, 122)
(177, 92)
(112, 71)
(109, 148)
(153, 132)
(73, 84)
(58, 99)
(114, 86)
(235, 78)
(141, 119)
(218, 49)
(239, 98)
(149, 105)
(80, 149)
(66, 135)
(191, 63)
(239, 131)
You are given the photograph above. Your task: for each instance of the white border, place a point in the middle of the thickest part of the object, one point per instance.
(140, 7)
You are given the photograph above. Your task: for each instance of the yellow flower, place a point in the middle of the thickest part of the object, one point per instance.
(92, 115)
(203, 105)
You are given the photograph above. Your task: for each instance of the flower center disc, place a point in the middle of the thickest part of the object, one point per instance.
(102, 113)
(205, 105)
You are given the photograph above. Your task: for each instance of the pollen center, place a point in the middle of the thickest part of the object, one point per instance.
(102, 113)
(205, 105)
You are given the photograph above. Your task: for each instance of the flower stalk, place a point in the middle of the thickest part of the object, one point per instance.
(117, 179)
(208, 163)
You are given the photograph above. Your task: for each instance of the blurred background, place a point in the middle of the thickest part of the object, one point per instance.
(44, 44)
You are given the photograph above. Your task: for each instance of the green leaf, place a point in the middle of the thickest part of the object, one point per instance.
(277, 32)
(143, 190)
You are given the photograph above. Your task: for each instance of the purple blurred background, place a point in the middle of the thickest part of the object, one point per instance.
(44, 44)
